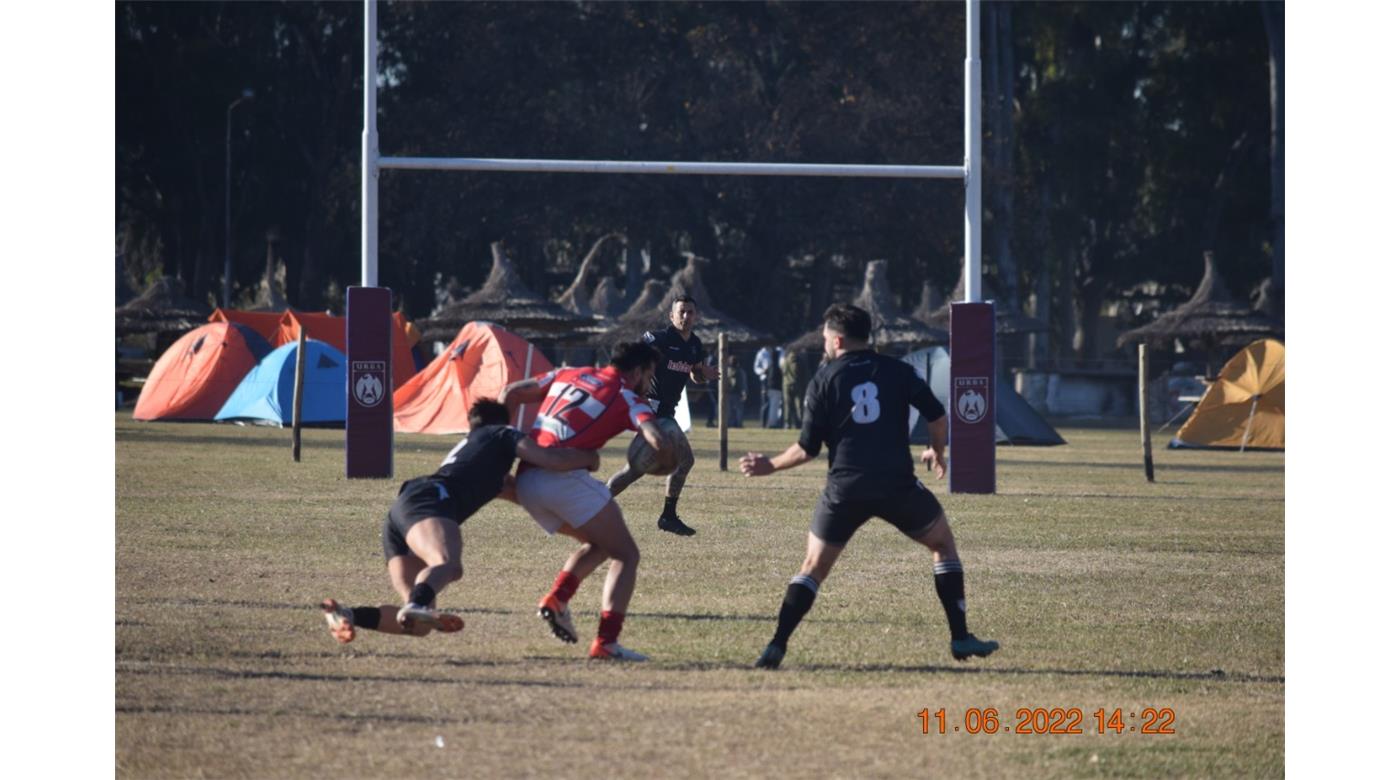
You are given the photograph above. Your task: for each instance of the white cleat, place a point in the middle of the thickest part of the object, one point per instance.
(613, 651)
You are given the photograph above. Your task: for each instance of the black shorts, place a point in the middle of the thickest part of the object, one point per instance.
(913, 511)
(418, 499)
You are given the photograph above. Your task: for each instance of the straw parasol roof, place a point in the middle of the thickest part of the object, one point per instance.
(607, 299)
(578, 297)
(930, 301)
(1009, 321)
(890, 327)
(1211, 318)
(651, 311)
(505, 300)
(162, 308)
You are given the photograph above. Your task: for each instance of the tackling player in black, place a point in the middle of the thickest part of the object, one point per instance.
(683, 357)
(422, 536)
(858, 405)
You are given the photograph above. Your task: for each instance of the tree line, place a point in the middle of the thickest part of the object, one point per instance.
(1120, 140)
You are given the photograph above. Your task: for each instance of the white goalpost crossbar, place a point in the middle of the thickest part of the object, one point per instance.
(695, 168)
(970, 171)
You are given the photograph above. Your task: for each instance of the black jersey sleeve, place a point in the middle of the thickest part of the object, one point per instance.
(510, 437)
(814, 418)
(921, 397)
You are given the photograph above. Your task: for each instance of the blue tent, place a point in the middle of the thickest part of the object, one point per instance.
(264, 396)
(1017, 421)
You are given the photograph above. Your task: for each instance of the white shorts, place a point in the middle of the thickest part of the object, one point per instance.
(557, 497)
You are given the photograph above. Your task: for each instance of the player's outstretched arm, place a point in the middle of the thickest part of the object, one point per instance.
(703, 372)
(755, 464)
(557, 458)
(516, 394)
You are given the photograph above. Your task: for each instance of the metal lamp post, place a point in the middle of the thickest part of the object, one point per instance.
(228, 166)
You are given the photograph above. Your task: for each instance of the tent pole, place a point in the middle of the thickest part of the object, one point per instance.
(529, 364)
(297, 388)
(723, 402)
(1249, 423)
(1143, 415)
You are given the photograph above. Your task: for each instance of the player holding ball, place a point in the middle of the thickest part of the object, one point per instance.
(682, 358)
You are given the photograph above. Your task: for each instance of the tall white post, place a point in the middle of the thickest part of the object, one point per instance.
(369, 156)
(972, 144)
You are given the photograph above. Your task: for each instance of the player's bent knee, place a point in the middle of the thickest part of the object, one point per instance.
(628, 555)
(939, 535)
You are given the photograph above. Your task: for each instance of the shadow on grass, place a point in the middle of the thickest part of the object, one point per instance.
(352, 717)
(700, 617)
(308, 606)
(272, 674)
(316, 606)
(1140, 497)
(1214, 675)
(215, 439)
(1137, 466)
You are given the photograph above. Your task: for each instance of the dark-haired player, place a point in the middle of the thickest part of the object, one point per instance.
(682, 358)
(584, 408)
(422, 536)
(858, 405)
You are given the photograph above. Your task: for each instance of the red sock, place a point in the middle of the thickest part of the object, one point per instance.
(564, 586)
(610, 626)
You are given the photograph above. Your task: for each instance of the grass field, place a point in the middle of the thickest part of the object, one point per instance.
(1104, 590)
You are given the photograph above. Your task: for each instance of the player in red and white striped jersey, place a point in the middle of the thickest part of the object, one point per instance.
(583, 408)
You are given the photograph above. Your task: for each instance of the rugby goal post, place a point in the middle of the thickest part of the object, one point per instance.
(968, 473)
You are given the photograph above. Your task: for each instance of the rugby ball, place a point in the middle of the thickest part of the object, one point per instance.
(643, 458)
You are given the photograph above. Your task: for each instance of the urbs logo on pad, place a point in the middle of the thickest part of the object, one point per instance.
(368, 378)
(970, 398)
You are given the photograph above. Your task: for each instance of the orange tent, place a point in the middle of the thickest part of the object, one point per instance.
(322, 327)
(482, 359)
(1244, 406)
(194, 378)
(265, 323)
(283, 327)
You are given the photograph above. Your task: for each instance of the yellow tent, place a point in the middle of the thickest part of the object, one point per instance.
(1244, 406)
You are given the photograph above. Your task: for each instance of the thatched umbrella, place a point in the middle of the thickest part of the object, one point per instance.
(1009, 321)
(1211, 319)
(161, 309)
(651, 311)
(505, 300)
(891, 329)
(607, 299)
(579, 300)
(645, 313)
(578, 297)
(930, 301)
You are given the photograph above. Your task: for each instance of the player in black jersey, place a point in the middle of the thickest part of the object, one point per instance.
(858, 405)
(682, 357)
(422, 536)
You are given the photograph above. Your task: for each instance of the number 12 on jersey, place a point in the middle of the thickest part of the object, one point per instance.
(569, 397)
